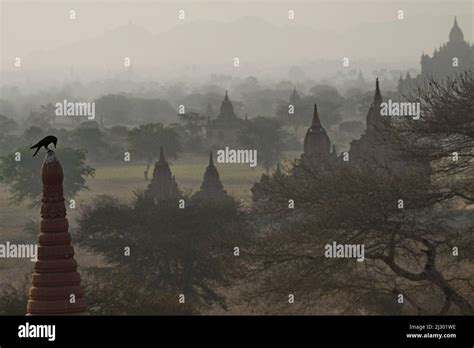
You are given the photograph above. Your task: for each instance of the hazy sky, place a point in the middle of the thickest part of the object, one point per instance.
(259, 32)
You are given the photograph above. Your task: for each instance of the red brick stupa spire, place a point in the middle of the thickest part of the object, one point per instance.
(56, 283)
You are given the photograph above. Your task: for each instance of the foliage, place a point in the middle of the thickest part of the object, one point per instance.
(329, 104)
(121, 109)
(23, 177)
(174, 250)
(14, 298)
(117, 292)
(407, 251)
(7, 125)
(303, 113)
(145, 142)
(91, 140)
(267, 136)
(446, 129)
(193, 126)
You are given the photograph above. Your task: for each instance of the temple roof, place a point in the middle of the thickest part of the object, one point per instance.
(227, 109)
(316, 141)
(378, 95)
(374, 120)
(211, 187)
(456, 34)
(294, 97)
(163, 185)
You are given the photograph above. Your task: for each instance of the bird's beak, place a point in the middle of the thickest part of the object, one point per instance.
(54, 145)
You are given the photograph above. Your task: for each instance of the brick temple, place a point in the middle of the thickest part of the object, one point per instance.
(56, 286)
(211, 187)
(163, 185)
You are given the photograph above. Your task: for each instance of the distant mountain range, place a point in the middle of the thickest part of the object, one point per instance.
(202, 47)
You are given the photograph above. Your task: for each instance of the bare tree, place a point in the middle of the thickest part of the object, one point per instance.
(416, 244)
(444, 134)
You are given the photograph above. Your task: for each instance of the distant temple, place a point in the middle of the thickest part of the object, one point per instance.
(370, 147)
(375, 150)
(211, 187)
(163, 184)
(224, 129)
(450, 59)
(372, 150)
(316, 140)
(294, 108)
(294, 97)
(360, 82)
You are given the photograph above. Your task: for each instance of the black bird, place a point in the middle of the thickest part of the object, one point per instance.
(45, 142)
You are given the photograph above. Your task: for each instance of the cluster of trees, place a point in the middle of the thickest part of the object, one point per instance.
(23, 180)
(158, 245)
(116, 109)
(90, 142)
(269, 138)
(102, 145)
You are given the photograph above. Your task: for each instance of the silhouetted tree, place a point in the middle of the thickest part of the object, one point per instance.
(23, 177)
(145, 142)
(267, 136)
(179, 251)
(91, 140)
(408, 251)
(444, 135)
(329, 103)
(303, 113)
(193, 125)
(114, 108)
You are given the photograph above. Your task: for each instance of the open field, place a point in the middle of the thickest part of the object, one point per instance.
(123, 180)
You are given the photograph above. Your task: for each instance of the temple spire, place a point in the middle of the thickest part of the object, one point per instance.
(316, 140)
(163, 184)
(211, 187)
(316, 116)
(227, 109)
(211, 162)
(378, 95)
(162, 156)
(294, 97)
(456, 34)
(55, 278)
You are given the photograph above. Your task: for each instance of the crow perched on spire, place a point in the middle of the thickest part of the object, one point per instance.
(45, 142)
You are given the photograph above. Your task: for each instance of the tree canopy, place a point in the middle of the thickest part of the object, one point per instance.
(23, 176)
(145, 142)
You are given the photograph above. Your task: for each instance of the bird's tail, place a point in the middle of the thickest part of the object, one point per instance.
(37, 149)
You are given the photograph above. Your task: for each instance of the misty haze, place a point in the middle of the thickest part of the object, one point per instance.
(237, 157)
